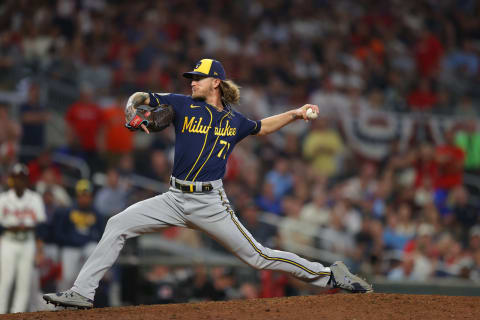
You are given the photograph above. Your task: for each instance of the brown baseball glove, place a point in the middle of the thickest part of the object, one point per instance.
(154, 118)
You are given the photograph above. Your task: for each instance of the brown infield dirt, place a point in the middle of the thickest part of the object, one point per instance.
(326, 306)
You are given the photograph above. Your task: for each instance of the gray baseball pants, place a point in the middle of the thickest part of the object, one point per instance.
(206, 211)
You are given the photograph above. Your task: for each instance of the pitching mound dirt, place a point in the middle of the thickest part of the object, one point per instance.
(338, 306)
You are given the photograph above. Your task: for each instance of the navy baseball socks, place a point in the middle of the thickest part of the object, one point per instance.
(342, 278)
(68, 298)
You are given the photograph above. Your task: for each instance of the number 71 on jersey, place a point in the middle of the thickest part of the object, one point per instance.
(225, 144)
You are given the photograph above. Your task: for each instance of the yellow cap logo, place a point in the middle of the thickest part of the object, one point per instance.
(204, 66)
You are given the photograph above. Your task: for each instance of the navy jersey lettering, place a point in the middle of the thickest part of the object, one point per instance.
(205, 137)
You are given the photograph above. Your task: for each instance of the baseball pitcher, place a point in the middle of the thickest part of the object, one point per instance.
(20, 211)
(207, 129)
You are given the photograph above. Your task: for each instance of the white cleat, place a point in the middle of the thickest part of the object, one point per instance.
(342, 278)
(68, 298)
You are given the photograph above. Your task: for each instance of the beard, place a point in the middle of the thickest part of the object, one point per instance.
(199, 95)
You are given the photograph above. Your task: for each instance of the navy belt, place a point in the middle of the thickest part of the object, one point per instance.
(190, 187)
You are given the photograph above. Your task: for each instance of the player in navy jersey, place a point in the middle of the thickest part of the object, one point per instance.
(206, 131)
(205, 136)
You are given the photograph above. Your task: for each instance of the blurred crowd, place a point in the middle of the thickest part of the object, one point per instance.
(387, 177)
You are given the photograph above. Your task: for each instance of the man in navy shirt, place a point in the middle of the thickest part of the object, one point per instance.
(34, 117)
(207, 129)
(77, 230)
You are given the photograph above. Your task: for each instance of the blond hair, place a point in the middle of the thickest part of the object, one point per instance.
(230, 91)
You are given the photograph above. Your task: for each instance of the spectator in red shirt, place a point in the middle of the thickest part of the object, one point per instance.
(39, 165)
(84, 119)
(423, 97)
(10, 133)
(428, 53)
(450, 159)
(272, 284)
(426, 167)
(116, 140)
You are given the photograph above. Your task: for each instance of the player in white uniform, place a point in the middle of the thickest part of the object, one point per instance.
(21, 210)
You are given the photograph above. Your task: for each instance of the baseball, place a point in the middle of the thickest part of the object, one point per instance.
(311, 114)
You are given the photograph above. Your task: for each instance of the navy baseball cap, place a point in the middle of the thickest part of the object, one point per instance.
(207, 68)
